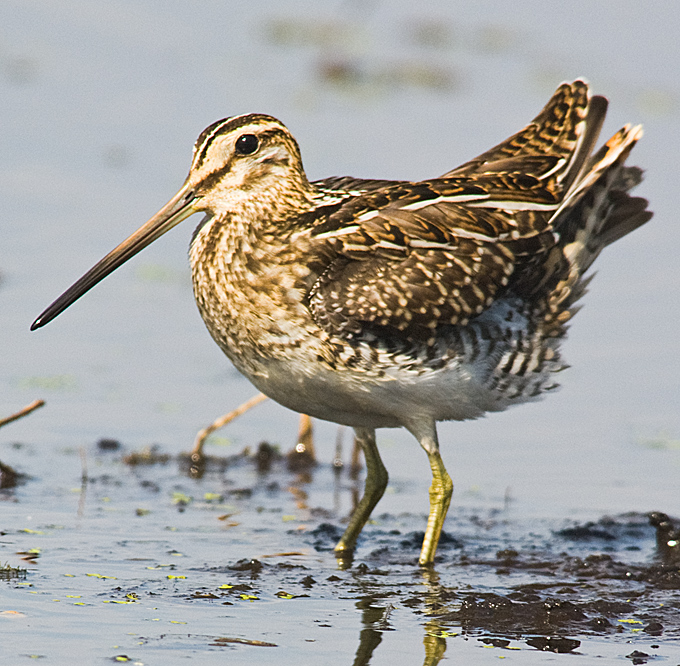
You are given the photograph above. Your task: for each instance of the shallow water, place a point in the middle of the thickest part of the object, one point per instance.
(142, 562)
(100, 105)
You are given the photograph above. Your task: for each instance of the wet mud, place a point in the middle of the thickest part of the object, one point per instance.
(498, 582)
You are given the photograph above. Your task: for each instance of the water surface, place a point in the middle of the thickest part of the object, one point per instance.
(100, 105)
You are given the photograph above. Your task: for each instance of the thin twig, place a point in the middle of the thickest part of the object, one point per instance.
(305, 441)
(83, 481)
(197, 451)
(24, 412)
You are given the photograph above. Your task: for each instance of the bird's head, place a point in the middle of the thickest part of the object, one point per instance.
(248, 165)
(245, 159)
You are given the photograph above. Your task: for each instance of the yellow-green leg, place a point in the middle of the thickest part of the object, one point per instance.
(441, 490)
(440, 498)
(376, 482)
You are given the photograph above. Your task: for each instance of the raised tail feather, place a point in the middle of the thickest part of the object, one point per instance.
(596, 212)
(598, 209)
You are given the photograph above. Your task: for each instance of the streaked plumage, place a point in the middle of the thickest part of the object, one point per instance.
(382, 304)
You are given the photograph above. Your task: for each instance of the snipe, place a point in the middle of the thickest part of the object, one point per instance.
(379, 304)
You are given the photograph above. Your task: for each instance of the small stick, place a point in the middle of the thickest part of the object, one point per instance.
(23, 412)
(83, 481)
(197, 451)
(355, 464)
(337, 459)
(305, 442)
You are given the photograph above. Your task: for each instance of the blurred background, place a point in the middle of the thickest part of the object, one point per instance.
(100, 104)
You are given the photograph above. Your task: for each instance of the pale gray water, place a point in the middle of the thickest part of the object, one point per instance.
(99, 106)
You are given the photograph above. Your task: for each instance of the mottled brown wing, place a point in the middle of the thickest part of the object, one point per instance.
(350, 184)
(414, 256)
(418, 255)
(559, 138)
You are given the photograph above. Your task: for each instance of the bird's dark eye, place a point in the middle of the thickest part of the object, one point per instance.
(247, 144)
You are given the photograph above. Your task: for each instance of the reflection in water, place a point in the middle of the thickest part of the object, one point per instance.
(373, 620)
(435, 644)
(436, 604)
(434, 640)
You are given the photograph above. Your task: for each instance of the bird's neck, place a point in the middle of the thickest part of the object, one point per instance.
(247, 282)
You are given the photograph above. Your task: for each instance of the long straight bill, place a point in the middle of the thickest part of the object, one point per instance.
(181, 206)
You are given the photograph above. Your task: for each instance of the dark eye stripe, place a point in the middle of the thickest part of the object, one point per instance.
(225, 126)
(206, 138)
(212, 178)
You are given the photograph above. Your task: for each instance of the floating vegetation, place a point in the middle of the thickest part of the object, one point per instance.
(107, 444)
(20, 70)
(303, 32)
(9, 477)
(149, 455)
(241, 641)
(431, 33)
(497, 39)
(344, 58)
(8, 572)
(54, 383)
(365, 75)
(30, 555)
(663, 441)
